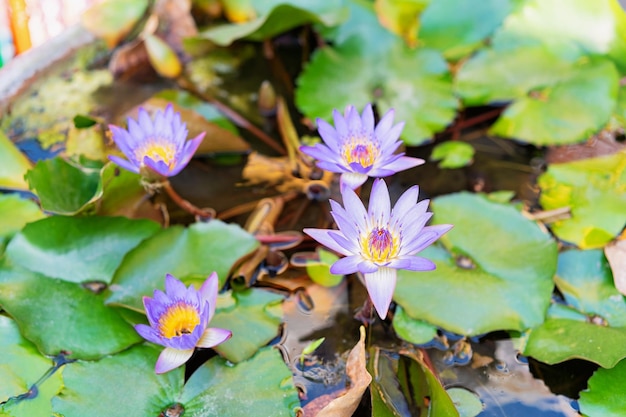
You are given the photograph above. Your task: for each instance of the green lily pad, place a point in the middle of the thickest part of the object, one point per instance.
(319, 271)
(260, 386)
(112, 20)
(569, 111)
(60, 316)
(558, 340)
(21, 366)
(63, 187)
(595, 191)
(411, 330)
(453, 154)
(466, 402)
(604, 394)
(15, 213)
(496, 275)
(460, 33)
(121, 385)
(78, 249)
(416, 82)
(253, 317)
(13, 165)
(586, 282)
(276, 17)
(190, 254)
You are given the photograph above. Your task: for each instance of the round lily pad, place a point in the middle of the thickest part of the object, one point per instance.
(604, 394)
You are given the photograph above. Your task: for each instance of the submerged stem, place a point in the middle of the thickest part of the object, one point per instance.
(206, 214)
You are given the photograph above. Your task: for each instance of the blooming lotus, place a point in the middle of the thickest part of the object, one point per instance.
(155, 146)
(357, 149)
(379, 241)
(178, 320)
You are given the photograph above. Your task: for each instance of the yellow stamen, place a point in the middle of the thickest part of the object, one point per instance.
(158, 151)
(179, 319)
(359, 150)
(380, 245)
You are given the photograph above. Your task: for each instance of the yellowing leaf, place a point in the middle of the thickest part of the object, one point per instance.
(401, 17)
(112, 20)
(162, 57)
(13, 165)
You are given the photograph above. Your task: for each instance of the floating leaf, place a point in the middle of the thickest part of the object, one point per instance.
(15, 213)
(401, 17)
(20, 368)
(585, 280)
(63, 187)
(88, 142)
(190, 254)
(162, 57)
(112, 20)
(558, 340)
(117, 386)
(260, 386)
(453, 154)
(411, 330)
(78, 249)
(497, 275)
(251, 320)
(13, 165)
(319, 272)
(604, 395)
(595, 191)
(458, 34)
(466, 402)
(276, 17)
(60, 316)
(415, 82)
(82, 121)
(239, 11)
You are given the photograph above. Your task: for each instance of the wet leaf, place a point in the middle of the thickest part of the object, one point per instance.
(401, 17)
(466, 402)
(190, 254)
(253, 321)
(411, 330)
(558, 340)
(13, 165)
(459, 33)
(112, 20)
(162, 57)
(616, 255)
(275, 17)
(496, 275)
(345, 405)
(585, 280)
(21, 366)
(319, 272)
(217, 388)
(78, 249)
(118, 386)
(594, 190)
(60, 316)
(603, 396)
(453, 154)
(63, 187)
(15, 213)
(415, 82)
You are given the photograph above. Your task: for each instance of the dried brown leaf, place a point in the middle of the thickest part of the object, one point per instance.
(616, 255)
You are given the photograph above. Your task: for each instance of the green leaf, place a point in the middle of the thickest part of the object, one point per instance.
(251, 318)
(13, 165)
(453, 154)
(190, 254)
(595, 191)
(276, 17)
(460, 33)
(411, 330)
(162, 57)
(558, 340)
(78, 249)
(82, 121)
(60, 316)
(569, 111)
(15, 213)
(118, 386)
(604, 394)
(20, 368)
(586, 282)
(268, 389)
(63, 187)
(319, 271)
(497, 274)
(415, 82)
(466, 402)
(112, 20)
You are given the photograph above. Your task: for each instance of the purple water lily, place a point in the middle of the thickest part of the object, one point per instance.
(357, 149)
(155, 146)
(379, 241)
(178, 320)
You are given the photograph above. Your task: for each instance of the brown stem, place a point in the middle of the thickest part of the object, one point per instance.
(186, 205)
(277, 66)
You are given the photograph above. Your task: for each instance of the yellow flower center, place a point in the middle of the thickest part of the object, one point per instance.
(158, 151)
(380, 245)
(359, 150)
(179, 319)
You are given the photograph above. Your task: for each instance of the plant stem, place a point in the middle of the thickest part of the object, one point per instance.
(206, 214)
